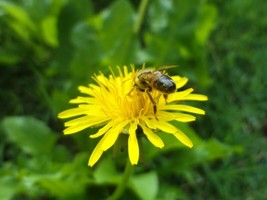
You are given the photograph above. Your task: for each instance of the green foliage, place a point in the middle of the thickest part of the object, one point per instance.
(48, 48)
(18, 130)
(179, 34)
(38, 165)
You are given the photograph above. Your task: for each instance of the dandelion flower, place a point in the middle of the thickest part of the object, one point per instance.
(117, 108)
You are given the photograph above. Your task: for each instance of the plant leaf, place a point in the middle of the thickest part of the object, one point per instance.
(30, 134)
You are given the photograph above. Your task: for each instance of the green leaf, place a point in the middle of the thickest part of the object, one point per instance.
(214, 149)
(30, 134)
(115, 26)
(172, 192)
(70, 180)
(204, 152)
(49, 14)
(19, 20)
(145, 185)
(18, 14)
(8, 184)
(49, 30)
(206, 23)
(87, 50)
(106, 172)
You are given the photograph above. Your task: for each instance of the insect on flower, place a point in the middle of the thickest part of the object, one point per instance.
(109, 104)
(147, 80)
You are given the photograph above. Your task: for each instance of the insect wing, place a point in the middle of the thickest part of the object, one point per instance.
(162, 68)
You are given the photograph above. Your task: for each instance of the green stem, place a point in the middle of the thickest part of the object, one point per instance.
(122, 185)
(140, 16)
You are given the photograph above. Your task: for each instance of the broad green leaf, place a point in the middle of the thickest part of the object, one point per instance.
(14, 181)
(169, 191)
(8, 184)
(145, 185)
(87, 50)
(214, 149)
(21, 31)
(59, 187)
(115, 26)
(19, 20)
(49, 30)
(30, 134)
(17, 13)
(49, 14)
(70, 179)
(106, 172)
(204, 152)
(206, 20)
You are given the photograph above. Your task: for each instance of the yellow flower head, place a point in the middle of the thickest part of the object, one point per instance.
(116, 105)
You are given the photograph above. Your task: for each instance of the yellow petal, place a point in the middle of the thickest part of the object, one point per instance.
(88, 100)
(71, 113)
(149, 122)
(182, 117)
(133, 147)
(74, 129)
(169, 116)
(92, 110)
(83, 125)
(166, 127)
(165, 116)
(152, 137)
(185, 108)
(96, 154)
(181, 82)
(177, 96)
(125, 70)
(176, 78)
(183, 138)
(84, 120)
(105, 128)
(111, 136)
(85, 90)
(196, 97)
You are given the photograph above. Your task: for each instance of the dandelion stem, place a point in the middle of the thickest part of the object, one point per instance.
(140, 16)
(122, 185)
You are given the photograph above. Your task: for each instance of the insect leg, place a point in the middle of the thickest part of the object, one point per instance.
(165, 97)
(153, 102)
(131, 90)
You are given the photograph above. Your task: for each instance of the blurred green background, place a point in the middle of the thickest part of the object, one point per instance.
(49, 47)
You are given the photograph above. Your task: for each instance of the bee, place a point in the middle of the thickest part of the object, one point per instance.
(147, 80)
